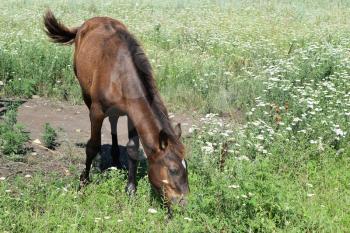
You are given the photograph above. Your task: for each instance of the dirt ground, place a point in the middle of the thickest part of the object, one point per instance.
(73, 127)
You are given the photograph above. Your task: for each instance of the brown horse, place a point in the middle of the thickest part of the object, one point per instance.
(116, 79)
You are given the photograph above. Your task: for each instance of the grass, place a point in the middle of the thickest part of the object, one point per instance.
(284, 64)
(13, 136)
(272, 196)
(49, 136)
(201, 50)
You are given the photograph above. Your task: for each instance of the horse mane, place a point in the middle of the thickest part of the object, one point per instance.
(145, 73)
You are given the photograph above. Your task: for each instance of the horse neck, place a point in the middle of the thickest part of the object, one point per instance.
(146, 123)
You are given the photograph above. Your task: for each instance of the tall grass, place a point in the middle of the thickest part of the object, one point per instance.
(198, 48)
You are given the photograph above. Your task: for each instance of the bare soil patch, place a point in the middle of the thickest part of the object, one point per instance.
(73, 127)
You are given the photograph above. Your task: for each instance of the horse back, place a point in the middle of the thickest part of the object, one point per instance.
(103, 64)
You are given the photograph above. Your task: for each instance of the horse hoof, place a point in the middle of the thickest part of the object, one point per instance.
(130, 189)
(83, 183)
(84, 180)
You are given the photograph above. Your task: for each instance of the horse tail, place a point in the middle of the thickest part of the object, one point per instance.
(57, 31)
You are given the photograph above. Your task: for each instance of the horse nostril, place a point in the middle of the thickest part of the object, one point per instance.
(181, 201)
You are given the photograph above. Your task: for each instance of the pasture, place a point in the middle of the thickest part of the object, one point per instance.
(265, 83)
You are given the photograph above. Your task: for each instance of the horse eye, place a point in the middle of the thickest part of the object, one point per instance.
(174, 171)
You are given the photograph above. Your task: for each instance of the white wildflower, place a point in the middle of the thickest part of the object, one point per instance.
(296, 119)
(243, 157)
(152, 211)
(234, 186)
(338, 131)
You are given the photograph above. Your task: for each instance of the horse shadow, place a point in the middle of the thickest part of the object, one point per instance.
(103, 160)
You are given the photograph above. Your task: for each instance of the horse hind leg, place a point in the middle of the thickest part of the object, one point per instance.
(115, 153)
(93, 146)
(133, 153)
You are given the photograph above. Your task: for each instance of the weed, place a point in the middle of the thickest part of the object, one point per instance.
(13, 136)
(49, 136)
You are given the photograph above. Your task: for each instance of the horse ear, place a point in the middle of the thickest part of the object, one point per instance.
(178, 130)
(163, 140)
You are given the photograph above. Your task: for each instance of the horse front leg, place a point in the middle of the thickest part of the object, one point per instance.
(132, 148)
(93, 146)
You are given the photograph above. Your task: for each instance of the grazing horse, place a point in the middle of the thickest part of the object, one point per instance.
(116, 79)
